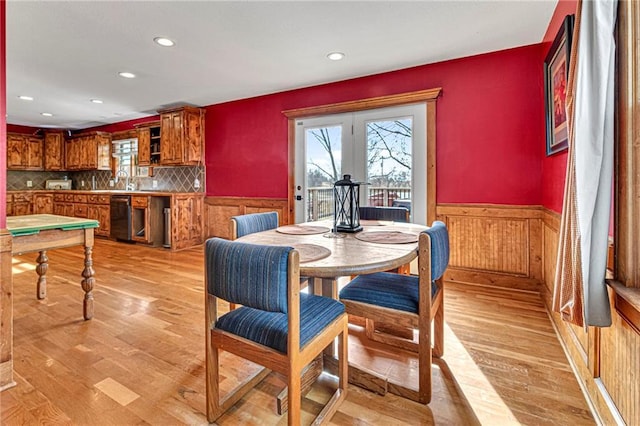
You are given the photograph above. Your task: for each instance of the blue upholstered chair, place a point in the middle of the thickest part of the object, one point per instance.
(276, 326)
(254, 222)
(411, 301)
(396, 214)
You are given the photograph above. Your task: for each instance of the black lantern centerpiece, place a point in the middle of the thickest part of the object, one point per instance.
(346, 199)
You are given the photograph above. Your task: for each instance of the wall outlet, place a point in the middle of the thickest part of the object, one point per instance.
(112, 183)
(29, 183)
(154, 184)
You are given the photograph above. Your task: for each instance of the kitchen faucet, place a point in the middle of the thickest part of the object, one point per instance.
(128, 186)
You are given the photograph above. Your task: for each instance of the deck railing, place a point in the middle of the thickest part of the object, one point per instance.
(320, 200)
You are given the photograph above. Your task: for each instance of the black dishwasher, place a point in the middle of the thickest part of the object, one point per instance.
(121, 217)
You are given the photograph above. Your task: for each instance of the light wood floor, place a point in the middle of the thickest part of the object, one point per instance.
(141, 359)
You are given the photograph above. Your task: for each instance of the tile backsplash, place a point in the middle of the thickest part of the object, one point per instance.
(168, 179)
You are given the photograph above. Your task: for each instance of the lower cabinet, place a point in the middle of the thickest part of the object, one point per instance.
(22, 204)
(43, 204)
(181, 228)
(90, 206)
(98, 209)
(9, 204)
(147, 224)
(186, 221)
(60, 207)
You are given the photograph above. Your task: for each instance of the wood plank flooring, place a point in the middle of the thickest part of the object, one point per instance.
(140, 360)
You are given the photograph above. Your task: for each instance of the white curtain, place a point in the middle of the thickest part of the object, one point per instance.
(594, 126)
(580, 293)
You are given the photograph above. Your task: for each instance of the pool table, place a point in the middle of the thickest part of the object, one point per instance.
(42, 232)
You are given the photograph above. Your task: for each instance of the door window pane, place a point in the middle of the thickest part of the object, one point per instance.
(389, 145)
(323, 160)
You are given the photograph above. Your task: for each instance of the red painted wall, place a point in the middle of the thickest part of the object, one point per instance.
(16, 128)
(554, 168)
(3, 112)
(490, 125)
(123, 125)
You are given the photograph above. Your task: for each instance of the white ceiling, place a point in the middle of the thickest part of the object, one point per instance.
(65, 53)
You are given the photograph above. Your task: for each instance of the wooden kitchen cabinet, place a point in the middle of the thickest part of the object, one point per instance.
(43, 204)
(181, 136)
(186, 220)
(87, 205)
(101, 213)
(54, 145)
(24, 152)
(147, 219)
(144, 147)
(90, 151)
(9, 204)
(79, 202)
(148, 143)
(59, 205)
(22, 204)
(72, 153)
(140, 219)
(98, 209)
(65, 205)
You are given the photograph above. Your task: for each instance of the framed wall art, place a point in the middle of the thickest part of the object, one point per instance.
(556, 70)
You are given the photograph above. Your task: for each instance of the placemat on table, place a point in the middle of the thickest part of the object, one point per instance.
(374, 222)
(302, 229)
(311, 252)
(387, 237)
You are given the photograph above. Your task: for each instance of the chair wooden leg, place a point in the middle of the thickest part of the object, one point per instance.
(424, 365)
(218, 404)
(343, 378)
(213, 386)
(294, 394)
(438, 331)
(343, 349)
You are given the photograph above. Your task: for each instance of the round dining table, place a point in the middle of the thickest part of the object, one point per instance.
(380, 246)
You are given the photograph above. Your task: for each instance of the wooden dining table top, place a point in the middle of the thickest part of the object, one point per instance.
(350, 255)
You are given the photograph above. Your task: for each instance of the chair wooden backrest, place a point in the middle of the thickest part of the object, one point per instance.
(250, 223)
(397, 214)
(253, 222)
(277, 326)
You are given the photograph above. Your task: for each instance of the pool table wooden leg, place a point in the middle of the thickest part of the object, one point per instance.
(87, 283)
(41, 269)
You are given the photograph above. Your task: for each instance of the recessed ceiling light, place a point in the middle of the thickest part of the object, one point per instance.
(335, 56)
(96, 101)
(25, 98)
(126, 74)
(46, 114)
(163, 41)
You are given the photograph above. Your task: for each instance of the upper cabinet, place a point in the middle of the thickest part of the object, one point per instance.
(89, 151)
(54, 150)
(24, 152)
(181, 136)
(149, 143)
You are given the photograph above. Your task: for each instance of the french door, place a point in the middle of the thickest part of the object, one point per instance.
(384, 148)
